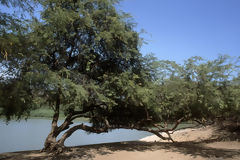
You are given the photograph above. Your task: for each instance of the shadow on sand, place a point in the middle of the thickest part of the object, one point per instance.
(192, 149)
(90, 151)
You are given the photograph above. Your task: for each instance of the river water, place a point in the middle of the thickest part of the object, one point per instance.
(30, 135)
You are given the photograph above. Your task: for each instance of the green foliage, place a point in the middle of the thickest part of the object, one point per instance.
(13, 28)
(83, 55)
(199, 88)
(12, 96)
(68, 54)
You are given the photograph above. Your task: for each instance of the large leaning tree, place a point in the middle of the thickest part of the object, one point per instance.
(82, 57)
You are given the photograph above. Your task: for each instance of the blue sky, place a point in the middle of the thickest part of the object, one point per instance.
(179, 29)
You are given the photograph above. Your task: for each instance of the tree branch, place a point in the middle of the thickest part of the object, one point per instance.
(110, 127)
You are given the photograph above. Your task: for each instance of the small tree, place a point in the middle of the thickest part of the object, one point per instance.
(200, 89)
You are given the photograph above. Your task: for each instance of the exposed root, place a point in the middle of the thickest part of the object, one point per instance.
(55, 149)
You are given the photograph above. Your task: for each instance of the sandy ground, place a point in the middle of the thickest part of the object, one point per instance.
(208, 143)
(186, 135)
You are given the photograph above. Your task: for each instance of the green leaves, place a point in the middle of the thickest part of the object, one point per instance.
(198, 88)
(87, 54)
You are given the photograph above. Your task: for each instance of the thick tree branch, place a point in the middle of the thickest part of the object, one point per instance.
(73, 115)
(83, 127)
(109, 127)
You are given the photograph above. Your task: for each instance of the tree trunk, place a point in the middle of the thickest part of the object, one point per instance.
(50, 143)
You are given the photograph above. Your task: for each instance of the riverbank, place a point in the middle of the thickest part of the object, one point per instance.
(204, 143)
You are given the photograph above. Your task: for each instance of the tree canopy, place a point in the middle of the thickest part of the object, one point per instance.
(82, 57)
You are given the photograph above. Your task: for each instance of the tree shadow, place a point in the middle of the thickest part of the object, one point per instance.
(25, 155)
(90, 151)
(187, 148)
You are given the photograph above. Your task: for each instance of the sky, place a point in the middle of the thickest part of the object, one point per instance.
(179, 29)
